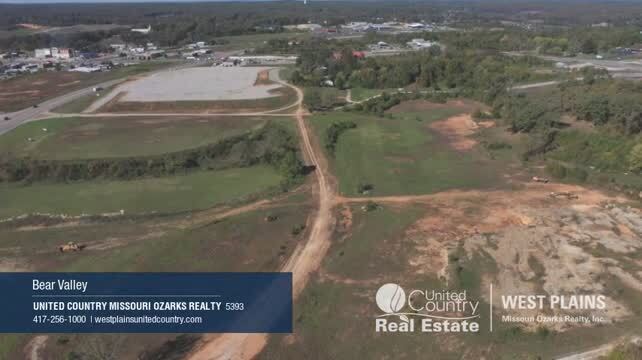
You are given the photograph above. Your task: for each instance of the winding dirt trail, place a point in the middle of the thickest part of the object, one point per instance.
(34, 348)
(305, 259)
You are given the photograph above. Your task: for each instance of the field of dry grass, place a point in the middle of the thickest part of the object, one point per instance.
(26, 90)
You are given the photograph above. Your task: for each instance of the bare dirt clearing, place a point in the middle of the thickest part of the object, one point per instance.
(199, 84)
(538, 244)
(258, 90)
(459, 129)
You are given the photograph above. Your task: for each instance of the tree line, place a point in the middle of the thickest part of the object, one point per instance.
(272, 144)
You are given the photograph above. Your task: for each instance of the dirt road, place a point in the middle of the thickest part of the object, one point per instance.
(33, 350)
(304, 261)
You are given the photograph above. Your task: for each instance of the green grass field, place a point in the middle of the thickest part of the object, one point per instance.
(245, 242)
(400, 154)
(598, 149)
(183, 242)
(198, 190)
(86, 138)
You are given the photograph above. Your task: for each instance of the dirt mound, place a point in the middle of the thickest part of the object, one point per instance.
(263, 78)
(459, 129)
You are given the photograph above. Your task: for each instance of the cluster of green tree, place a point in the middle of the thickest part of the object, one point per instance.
(559, 41)
(551, 13)
(272, 144)
(540, 144)
(585, 40)
(319, 99)
(602, 152)
(596, 98)
(525, 114)
(277, 46)
(249, 15)
(79, 40)
(469, 12)
(176, 24)
(481, 75)
(334, 131)
(615, 103)
(377, 105)
(180, 23)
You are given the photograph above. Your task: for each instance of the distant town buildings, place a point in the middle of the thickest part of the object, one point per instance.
(56, 53)
(304, 27)
(392, 26)
(262, 60)
(419, 44)
(86, 69)
(196, 45)
(380, 46)
(42, 53)
(601, 25)
(62, 53)
(143, 30)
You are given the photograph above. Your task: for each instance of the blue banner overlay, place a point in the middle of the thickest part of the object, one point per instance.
(145, 302)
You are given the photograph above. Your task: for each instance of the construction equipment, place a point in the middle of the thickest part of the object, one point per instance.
(540, 179)
(563, 194)
(70, 247)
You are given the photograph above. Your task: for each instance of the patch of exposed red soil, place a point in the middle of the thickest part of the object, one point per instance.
(459, 129)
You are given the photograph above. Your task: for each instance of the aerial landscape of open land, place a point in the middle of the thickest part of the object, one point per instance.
(488, 147)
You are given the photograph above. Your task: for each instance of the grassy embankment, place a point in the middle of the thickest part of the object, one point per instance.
(224, 162)
(87, 138)
(402, 155)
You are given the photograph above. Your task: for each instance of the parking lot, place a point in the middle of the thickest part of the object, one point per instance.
(199, 84)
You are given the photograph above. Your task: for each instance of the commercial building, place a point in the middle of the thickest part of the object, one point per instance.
(419, 44)
(57, 53)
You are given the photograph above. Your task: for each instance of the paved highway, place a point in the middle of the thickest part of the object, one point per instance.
(20, 117)
(628, 69)
(23, 116)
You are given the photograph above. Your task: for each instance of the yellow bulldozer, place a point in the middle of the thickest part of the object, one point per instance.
(70, 247)
(540, 179)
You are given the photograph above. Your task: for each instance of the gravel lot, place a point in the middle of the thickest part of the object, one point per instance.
(201, 83)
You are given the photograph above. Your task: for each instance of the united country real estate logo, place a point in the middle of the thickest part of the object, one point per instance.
(425, 310)
(450, 311)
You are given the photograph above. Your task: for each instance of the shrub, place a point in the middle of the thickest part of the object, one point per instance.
(334, 131)
(272, 144)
